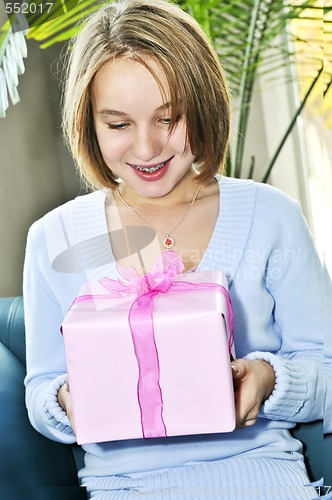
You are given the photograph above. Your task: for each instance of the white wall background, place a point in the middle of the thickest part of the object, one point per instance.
(303, 169)
(36, 172)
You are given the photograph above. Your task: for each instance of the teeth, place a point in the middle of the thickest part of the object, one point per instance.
(151, 169)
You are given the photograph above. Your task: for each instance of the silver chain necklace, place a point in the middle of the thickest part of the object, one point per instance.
(168, 242)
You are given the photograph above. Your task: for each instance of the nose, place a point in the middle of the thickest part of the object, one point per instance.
(147, 144)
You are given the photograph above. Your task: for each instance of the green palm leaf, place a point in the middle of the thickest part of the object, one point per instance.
(230, 24)
(12, 51)
(65, 26)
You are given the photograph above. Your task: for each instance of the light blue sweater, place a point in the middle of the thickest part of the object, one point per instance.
(282, 300)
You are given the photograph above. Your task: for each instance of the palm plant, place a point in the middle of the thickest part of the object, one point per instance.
(241, 31)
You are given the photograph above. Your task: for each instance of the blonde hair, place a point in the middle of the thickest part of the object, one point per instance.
(163, 32)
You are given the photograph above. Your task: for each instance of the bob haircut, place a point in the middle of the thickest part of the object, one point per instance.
(141, 30)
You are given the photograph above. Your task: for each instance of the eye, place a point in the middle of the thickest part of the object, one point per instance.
(167, 120)
(117, 126)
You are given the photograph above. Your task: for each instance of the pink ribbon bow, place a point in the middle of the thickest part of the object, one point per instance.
(161, 277)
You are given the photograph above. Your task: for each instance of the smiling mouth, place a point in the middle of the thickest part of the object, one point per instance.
(152, 169)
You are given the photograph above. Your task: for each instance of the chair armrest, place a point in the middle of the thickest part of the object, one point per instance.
(317, 450)
(12, 331)
(32, 467)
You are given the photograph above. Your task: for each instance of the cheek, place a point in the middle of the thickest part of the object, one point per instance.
(111, 147)
(178, 140)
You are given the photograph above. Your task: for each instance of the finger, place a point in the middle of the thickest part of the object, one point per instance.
(235, 370)
(249, 423)
(70, 415)
(236, 375)
(239, 368)
(246, 412)
(246, 421)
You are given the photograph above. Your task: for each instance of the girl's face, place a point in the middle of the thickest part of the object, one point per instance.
(132, 127)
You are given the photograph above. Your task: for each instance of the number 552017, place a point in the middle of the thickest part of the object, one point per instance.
(28, 8)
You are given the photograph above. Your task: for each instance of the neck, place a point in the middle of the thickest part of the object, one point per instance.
(182, 192)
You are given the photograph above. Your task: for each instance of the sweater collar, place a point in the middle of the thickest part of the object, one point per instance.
(225, 249)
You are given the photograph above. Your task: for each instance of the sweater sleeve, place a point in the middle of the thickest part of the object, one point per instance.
(303, 320)
(46, 367)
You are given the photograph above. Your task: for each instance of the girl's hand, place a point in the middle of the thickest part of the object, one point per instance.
(254, 381)
(64, 401)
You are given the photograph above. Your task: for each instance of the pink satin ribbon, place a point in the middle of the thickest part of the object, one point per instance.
(145, 288)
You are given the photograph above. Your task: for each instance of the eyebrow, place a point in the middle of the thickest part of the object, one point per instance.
(114, 112)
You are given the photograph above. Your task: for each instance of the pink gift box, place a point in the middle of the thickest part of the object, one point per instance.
(145, 359)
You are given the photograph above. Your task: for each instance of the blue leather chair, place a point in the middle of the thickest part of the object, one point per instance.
(35, 468)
